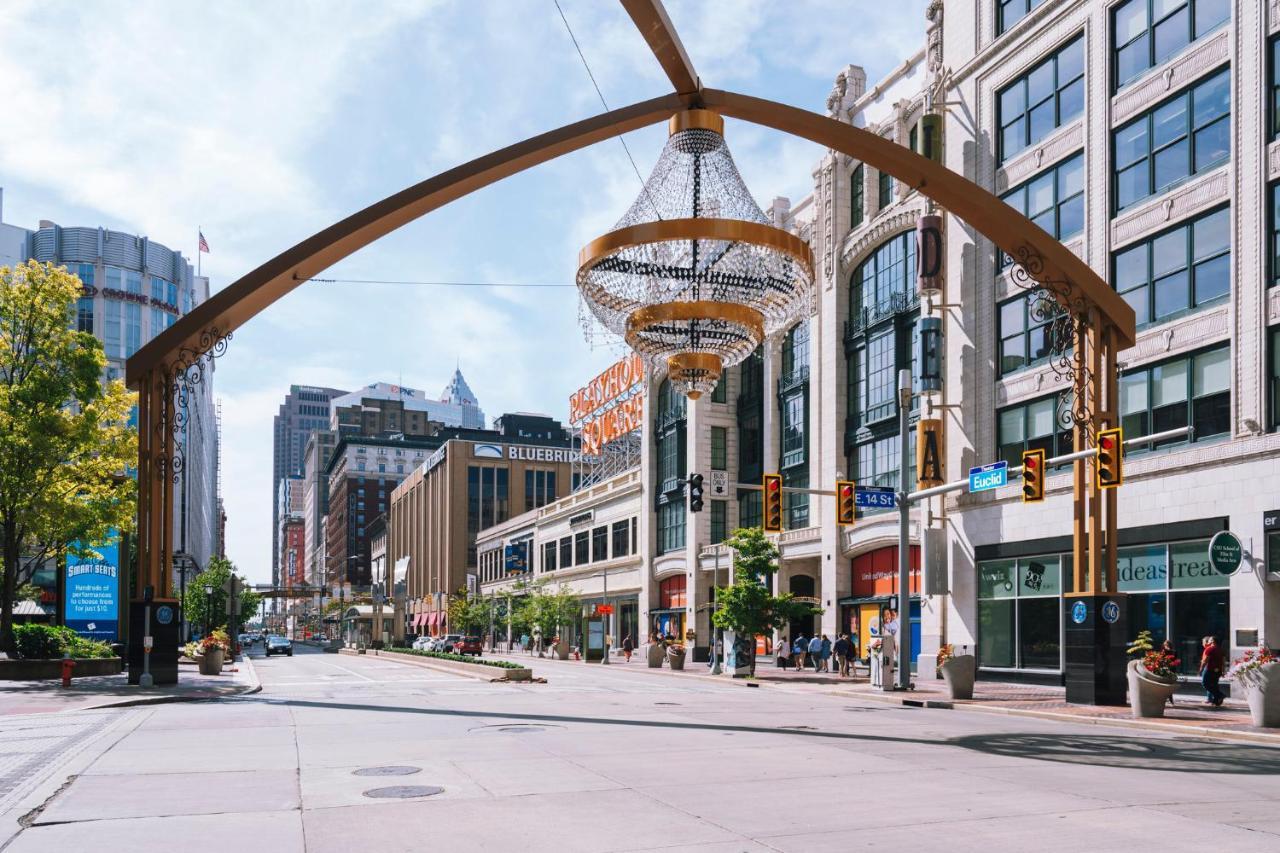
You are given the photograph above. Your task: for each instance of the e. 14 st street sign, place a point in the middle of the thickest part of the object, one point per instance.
(874, 497)
(986, 477)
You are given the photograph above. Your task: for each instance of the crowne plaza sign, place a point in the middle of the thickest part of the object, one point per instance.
(610, 405)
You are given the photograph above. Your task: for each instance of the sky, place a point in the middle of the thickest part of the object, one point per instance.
(263, 123)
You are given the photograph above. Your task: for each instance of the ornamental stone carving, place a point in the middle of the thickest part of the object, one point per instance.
(1188, 67)
(1189, 199)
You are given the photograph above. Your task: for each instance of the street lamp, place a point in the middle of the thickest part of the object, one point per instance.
(208, 610)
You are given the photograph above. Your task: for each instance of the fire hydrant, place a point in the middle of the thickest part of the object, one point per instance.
(68, 667)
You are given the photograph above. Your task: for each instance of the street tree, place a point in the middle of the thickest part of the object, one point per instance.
(210, 609)
(65, 439)
(468, 614)
(747, 607)
(552, 610)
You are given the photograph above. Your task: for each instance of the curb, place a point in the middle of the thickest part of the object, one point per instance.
(254, 686)
(437, 665)
(1173, 728)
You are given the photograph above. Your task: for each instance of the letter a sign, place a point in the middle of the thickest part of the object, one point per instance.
(929, 448)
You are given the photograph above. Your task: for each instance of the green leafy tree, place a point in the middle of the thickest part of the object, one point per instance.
(28, 592)
(553, 610)
(197, 604)
(468, 614)
(746, 606)
(65, 439)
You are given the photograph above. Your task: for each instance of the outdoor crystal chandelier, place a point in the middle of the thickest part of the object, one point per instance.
(694, 277)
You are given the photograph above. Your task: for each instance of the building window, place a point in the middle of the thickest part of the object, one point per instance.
(488, 502)
(600, 543)
(719, 521)
(884, 192)
(1037, 425)
(750, 411)
(884, 284)
(877, 394)
(1026, 330)
(1042, 100)
(621, 538)
(1054, 200)
(1184, 136)
(1275, 234)
(1274, 104)
(84, 314)
(671, 518)
(672, 592)
(750, 508)
(132, 328)
(566, 551)
(539, 488)
(719, 448)
(1009, 12)
(84, 272)
(720, 394)
(857, 195)
(1147, 32)
(1190, 391)
(1177, 271)
(877, 463)
(133, 282)
(793, 429)
(548, 556)
(1018, 613)
(157, 289)
(796, 503)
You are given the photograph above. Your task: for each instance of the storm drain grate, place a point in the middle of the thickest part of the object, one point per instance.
(391, 770)
(404, 792)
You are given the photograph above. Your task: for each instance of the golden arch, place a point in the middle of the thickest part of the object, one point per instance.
(162, 368)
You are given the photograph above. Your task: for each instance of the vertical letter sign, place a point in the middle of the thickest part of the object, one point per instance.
(92, 606)
(929, 453)
(929, 254)
(929, 356)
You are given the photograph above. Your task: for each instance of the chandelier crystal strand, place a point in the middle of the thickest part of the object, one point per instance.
(694, 277)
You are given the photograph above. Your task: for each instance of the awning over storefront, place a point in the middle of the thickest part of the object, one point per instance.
(417, 619)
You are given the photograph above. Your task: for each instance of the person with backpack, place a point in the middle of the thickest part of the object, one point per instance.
(798, 651)
(815, 652)
(843, 649)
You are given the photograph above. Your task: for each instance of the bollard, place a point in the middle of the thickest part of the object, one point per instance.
(68, 667)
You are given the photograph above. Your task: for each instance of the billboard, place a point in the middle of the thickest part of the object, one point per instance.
(610, 405)
(93, 594)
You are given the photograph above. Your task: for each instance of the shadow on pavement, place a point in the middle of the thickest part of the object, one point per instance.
(1139, 753)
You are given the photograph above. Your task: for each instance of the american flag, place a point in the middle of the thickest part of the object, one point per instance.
(204, 244)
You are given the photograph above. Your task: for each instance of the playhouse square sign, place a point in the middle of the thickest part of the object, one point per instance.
(609, 406)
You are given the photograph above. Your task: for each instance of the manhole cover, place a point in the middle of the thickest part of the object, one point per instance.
(404, 792)
(392, 770)
(514, 729)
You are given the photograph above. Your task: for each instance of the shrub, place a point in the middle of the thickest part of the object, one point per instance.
(56, 641)
(500, 664)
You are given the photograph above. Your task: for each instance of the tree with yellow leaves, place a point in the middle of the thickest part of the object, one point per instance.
(66, 445)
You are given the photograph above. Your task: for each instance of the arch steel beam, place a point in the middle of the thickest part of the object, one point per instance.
(660, 34)
(1046, 260)
(230, 308)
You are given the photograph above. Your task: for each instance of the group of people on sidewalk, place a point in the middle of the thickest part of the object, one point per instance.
(817, 651)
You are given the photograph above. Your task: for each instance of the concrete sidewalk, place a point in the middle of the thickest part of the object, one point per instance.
(111, 691)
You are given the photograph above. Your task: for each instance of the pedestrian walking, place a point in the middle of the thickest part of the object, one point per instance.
(842, 649)
(627, 647)
(1211, 665)
(783, 653)
(524, 643)
(815, 652)
(826, 653)
(798, 650)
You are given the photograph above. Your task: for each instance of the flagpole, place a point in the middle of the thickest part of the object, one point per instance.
(199, 231)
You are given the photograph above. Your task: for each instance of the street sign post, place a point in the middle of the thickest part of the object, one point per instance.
(719, 484)
(875, 497)
(986, 477)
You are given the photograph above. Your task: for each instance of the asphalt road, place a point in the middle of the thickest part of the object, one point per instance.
(613, 758)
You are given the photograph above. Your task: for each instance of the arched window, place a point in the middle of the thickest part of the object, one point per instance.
(795, 350)
(884, 283)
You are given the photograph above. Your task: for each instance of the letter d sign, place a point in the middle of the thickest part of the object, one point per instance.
(929, 254)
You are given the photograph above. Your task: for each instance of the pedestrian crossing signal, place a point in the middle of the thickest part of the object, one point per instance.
(772, 503)
(1032, 476)
(845, 507)
(1110, 458)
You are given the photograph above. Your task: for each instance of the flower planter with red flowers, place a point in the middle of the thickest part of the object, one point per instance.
(1152, 680)
(1258, 671)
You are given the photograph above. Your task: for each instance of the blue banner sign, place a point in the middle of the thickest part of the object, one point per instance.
(516, 558)
(93, 594)
(991, 476)
(875, 497)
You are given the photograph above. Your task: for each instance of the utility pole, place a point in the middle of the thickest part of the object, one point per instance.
(904, 532)
(608, 617)
(715, 605)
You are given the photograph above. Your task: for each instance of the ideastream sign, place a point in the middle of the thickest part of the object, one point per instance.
(610, 405)
(93, 594)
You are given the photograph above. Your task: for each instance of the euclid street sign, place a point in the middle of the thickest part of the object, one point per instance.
(875, 497)
(991, 476)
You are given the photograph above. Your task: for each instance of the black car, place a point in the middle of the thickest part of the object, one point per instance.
(277, 645)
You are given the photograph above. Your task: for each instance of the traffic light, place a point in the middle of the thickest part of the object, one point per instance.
(772, 503)
(1032, 476)
(1110, 458)
(695, 492)
(845, 508)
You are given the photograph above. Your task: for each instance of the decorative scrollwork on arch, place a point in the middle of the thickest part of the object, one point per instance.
(1057, 306)
(175, 384)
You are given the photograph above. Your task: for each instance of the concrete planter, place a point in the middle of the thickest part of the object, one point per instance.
(959, 673)
(35, 669)
(1148, 695)
(1262, 687)
(560, 651)
(676, 659)
(474, 670)
(211, 662)
(655, 653)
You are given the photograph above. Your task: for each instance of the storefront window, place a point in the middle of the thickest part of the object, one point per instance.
(1175, 593)
(1019, 613)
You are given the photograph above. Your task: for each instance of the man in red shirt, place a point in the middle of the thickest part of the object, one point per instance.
(1212, 663)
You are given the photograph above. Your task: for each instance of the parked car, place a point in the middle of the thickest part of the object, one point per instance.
(277, 645)
(422, 644)
(447, 643)
(248, 639)
(468, 646)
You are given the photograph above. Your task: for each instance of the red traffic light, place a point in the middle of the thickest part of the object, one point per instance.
(773, 485)
(1107, 443)
(1029, 462)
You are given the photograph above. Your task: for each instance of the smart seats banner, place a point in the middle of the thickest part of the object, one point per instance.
(93, 594)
